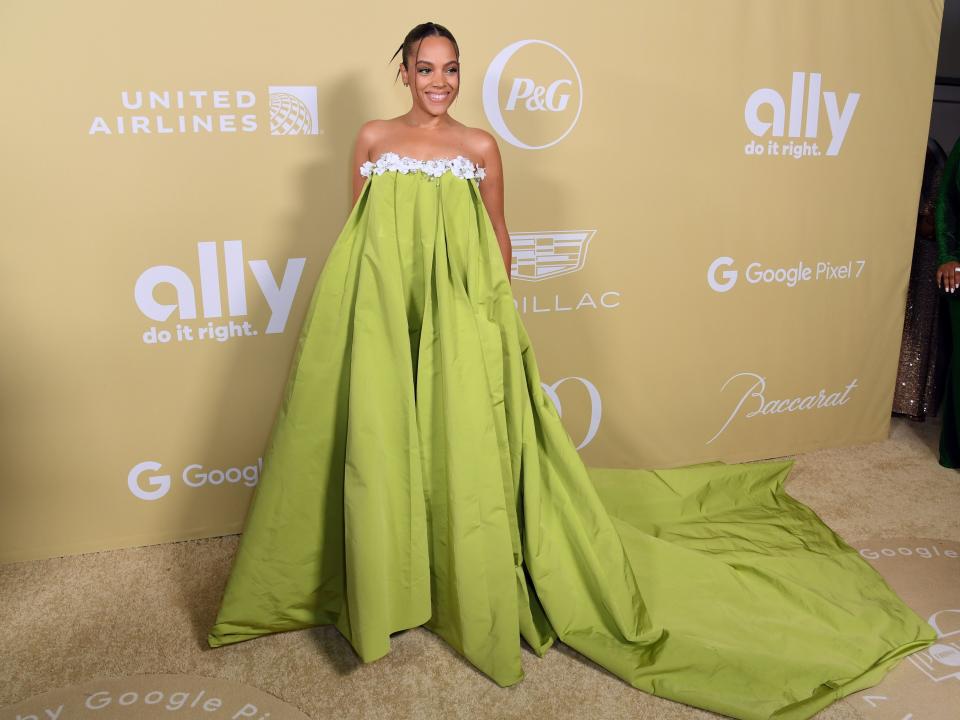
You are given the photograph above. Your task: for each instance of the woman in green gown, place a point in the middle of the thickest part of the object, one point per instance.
(418, 474)
(948, 277)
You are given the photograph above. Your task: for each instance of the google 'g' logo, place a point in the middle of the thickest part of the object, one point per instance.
(718, 277)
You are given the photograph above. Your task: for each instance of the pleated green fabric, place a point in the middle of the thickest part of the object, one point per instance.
(417, 474)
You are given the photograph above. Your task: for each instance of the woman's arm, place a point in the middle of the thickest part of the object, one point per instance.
(491, 190)
(946, 223)
(361, 153)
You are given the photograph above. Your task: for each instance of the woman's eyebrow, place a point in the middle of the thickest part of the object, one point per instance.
(427, 62)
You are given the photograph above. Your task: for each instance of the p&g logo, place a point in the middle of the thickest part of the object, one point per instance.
(526, 94)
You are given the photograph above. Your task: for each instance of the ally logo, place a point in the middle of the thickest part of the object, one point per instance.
(526, 94)
(766, 112)
(279, 297)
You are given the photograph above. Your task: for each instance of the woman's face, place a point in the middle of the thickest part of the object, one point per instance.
(433, 75)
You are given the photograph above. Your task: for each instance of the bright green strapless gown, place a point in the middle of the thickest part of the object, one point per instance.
(417, 474)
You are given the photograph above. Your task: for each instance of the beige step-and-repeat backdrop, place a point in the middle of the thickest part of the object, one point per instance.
(712, 208)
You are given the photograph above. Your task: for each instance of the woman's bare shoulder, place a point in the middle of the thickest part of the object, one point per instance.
(375, 129)
(373, 134)
(483, 145)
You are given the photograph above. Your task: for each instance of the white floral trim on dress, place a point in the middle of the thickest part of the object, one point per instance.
(460, 166)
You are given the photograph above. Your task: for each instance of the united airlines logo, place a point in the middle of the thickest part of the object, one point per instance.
(290, 109)
(543, 255)
(293, 110)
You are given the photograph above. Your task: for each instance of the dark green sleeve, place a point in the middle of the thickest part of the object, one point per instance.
(946, 212)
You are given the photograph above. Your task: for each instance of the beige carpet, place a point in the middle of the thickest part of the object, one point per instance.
(147, 610)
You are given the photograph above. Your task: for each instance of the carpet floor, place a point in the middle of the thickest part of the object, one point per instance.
(148, 609)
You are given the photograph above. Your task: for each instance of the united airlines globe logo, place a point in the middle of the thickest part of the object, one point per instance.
(532, 94)
(293, 110)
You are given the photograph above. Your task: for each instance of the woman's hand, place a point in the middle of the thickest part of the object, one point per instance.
(947, 276)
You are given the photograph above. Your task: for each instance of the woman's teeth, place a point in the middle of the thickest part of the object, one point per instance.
(437, 97)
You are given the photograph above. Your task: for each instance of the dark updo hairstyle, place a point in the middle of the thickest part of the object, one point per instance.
(419, 33)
